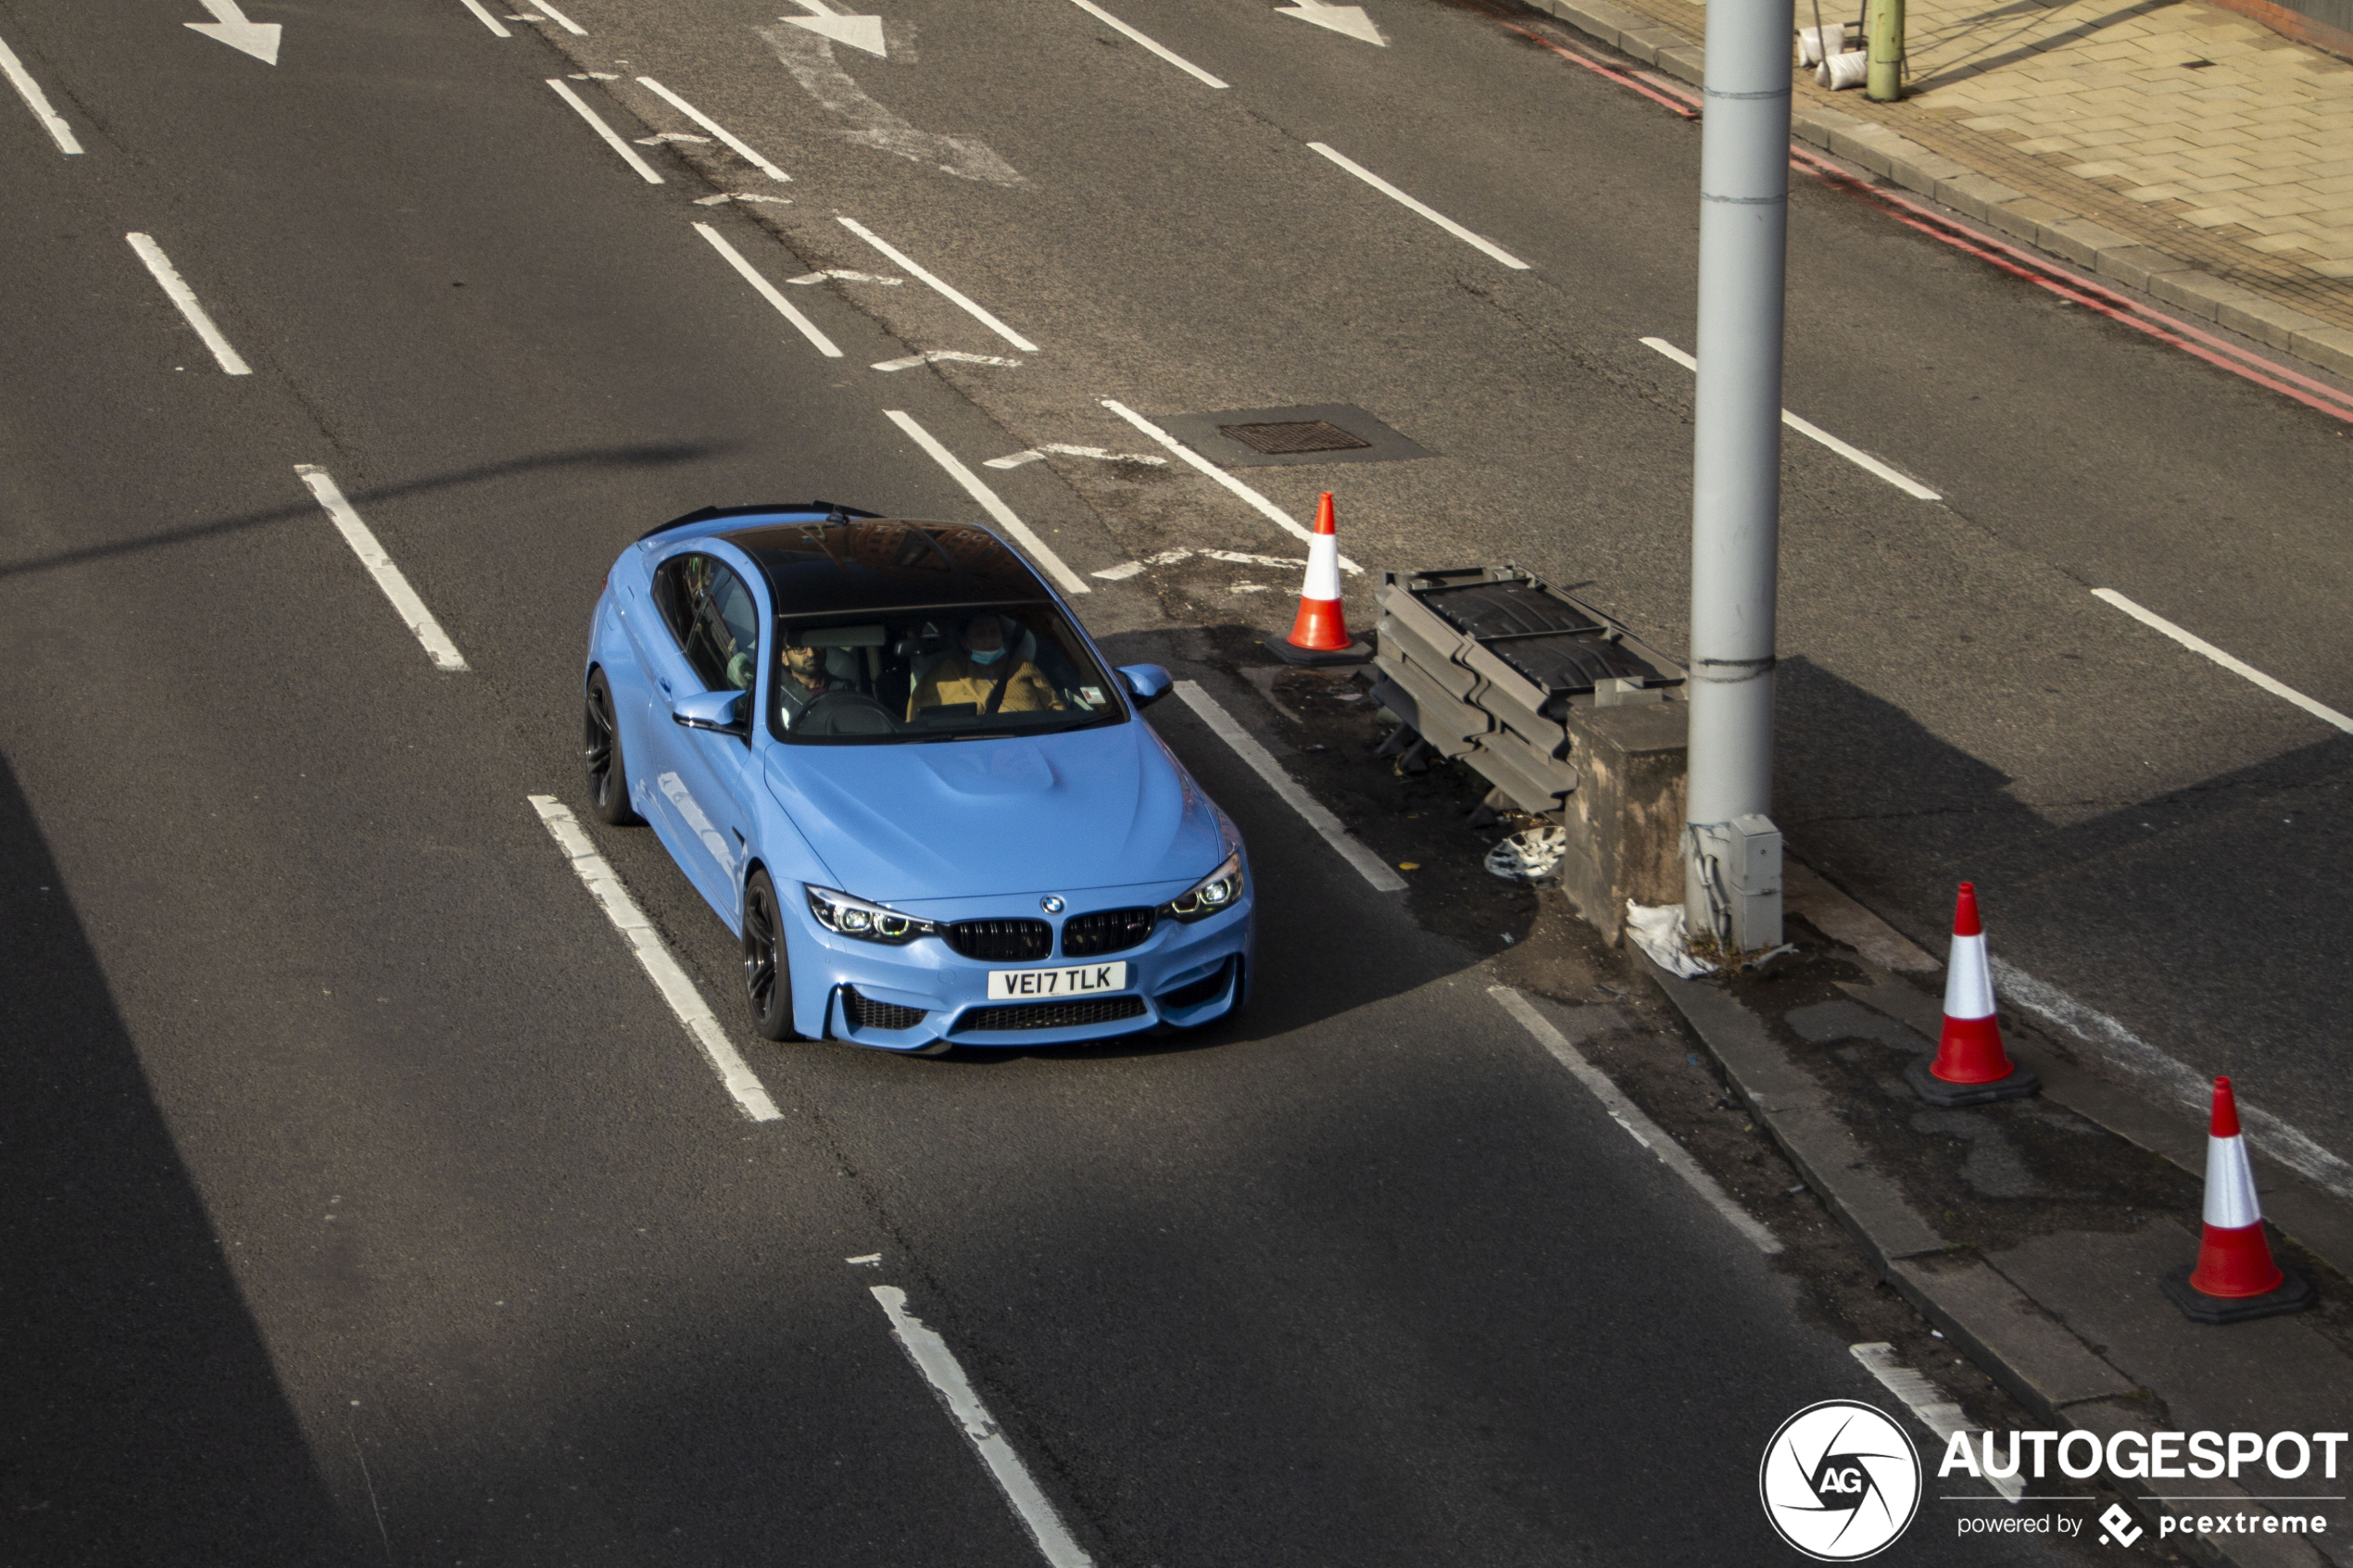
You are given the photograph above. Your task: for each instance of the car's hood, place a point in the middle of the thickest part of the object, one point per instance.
(967, 818)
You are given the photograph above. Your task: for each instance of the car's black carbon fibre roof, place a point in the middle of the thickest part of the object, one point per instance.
(818, 568)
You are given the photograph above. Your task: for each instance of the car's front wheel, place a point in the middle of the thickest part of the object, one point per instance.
(600, 753)
(767, 977)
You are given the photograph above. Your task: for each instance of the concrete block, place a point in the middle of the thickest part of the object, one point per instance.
(1975, 195)
(2265, 320)
(2079, 240)
(1867, 145)
(1626, 816)
(2023, 218)
(2329, 347)
(1916, 169)
(2024, 1349)
(2199, 293)
(1586, 19)
(2135, 264)
(1645, 43)
(1687, 63)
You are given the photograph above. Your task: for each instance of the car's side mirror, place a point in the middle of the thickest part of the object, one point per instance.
(720, 711)
(1146, 683)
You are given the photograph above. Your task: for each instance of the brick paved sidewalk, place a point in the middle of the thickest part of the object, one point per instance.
(2173, 126)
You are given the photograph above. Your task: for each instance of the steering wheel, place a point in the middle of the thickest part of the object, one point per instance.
(846, 714)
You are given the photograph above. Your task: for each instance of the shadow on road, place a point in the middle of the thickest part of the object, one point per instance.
(142, 1417)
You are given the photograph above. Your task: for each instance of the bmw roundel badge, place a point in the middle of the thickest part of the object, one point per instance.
(1052, 905)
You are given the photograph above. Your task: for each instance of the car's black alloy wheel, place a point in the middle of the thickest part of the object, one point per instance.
(601, 750)
(767, 978)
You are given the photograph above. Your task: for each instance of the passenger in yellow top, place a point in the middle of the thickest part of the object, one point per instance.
(976, 673)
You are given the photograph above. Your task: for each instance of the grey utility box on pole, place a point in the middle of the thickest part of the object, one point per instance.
(1731, 889)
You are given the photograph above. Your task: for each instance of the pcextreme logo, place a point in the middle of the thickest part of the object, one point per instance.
(1841, 1481)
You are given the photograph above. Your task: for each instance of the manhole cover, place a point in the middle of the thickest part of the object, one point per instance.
(1304, 435)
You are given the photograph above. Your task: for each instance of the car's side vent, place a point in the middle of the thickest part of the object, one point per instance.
(864, 1012)
(1001, 941)
(1193, 993)
(1106, 931)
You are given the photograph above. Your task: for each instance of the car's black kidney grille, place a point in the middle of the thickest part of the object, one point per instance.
(1054, 1015)
(1106, 931)
(864, 1012)
(1001, 941)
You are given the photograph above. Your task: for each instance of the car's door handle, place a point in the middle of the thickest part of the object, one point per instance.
(664, 685)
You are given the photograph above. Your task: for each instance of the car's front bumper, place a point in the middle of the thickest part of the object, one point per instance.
(1181, 976)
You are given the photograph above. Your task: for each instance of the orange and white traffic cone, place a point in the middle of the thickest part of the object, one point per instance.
(1319, 633)
(1970, 1067)
(2235, 1278)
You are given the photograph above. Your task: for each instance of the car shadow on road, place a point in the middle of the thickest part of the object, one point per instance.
(143, 1421)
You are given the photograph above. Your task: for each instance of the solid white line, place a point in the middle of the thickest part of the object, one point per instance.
(177, 289)
(2170, 1077)
(484, 17)
(562, 20)
(1807, 428)
(1264, 508)
(1173, 58)
(990, 503)
(946, 292)
(1371, 867)
(937, 1363)
(1385, 188)
(362, 540)
(613, 140)
(1928, 1402)
(2197, 643)
(1629, 1115)
(677, 990)
(674, 101)
(768, 291)
(37, 101)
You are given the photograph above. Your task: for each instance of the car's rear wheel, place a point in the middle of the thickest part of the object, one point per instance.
(767, 976)
(600, 752)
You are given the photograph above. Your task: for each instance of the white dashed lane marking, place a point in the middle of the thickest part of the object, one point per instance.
(1170, 56)
(654, 956)
(406, 603)
(946, 291)
(1385, 188)
(36, 100)
(675, 102)
(990, 502)
(768, 291)
(176, 289)
(1257, 502)
(941, 1370)
(1629, 1116)
(1369, 866)
(1812, 431)
(2239, 667)
(611, 137)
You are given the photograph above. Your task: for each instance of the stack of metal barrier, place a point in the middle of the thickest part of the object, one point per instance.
(1484, 662)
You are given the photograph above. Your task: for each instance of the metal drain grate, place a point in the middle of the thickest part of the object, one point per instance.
(1305, 435)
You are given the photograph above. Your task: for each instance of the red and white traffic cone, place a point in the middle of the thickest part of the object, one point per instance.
(1319, 633)
(2235, 1278)
(1970, 1067)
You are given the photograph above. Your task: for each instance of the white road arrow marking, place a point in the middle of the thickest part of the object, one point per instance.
(944, 355)
(858, 32)
(229, 25)
(1350, 19)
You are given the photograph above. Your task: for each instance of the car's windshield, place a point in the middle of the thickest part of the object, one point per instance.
(934, 674)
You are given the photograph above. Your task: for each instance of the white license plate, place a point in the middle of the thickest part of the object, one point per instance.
(1035, 984)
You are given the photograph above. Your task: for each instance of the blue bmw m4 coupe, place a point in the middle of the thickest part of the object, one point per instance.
(890, 757)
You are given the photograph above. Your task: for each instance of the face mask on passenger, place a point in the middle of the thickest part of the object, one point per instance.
(991, 657)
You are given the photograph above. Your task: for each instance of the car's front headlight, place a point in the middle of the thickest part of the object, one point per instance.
(869, 923)
(1221, 889)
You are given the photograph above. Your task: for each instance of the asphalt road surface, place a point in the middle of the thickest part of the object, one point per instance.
(366, 1202)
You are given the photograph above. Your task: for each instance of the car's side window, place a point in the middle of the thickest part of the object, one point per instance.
(708, 608)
